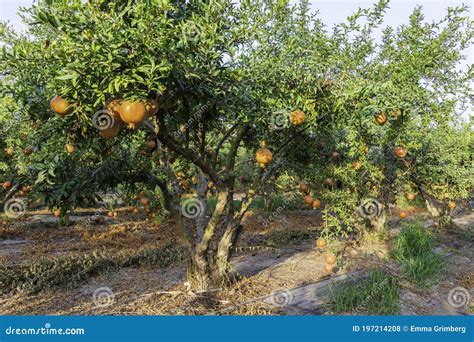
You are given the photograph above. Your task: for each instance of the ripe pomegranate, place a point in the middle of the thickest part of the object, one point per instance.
(451, 205)
(308, 199)
(304, 187)
(151, 107)
(69, 148)
(330, 259)
(336, 156)
(316, 204)
(403, 214)
(297, 117)
(263, 156)
(395, 113)
(135, 210)
(132, 112)
(380, 118)
(328, 268)
(320, 243)
(356, 165)
(410, 196)
(28, 150)
(400, 152)
(57, 212)
(144, 201)
(7, 185)
(113, 107)
(60, 106)
(151, 143)
(111, 132)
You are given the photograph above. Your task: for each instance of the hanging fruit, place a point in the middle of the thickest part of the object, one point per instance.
(263, 155)
(60, 106)
(111, 132)
(113, 107)
(69, 148)
(297, 117)
(9, 151)
(400, 152)
(380, 118)
(132, 112)
(151, 107)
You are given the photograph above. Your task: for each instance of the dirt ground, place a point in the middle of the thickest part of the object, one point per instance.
(277, 257)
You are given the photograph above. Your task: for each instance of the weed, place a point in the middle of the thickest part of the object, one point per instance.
(413, 248)
(377, 294)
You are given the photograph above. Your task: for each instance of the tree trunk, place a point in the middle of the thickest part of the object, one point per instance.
(225, 248)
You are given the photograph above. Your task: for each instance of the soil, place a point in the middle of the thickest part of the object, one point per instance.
(277, 256)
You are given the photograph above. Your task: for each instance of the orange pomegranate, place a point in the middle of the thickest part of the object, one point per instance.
(451, 205)
(328, 268)
(330, 259)
(316, 203)
(7, 185)
(410, 196)
(9, 151)
(111, 132)
(57, 212)
(403, 214)
(69, 148)
(297, 117)
(304, 187)
(380, 118)
(132, 112)
(356, 165)
(144, 201)
(400, 152)
(60, 106)
(113, 107)
(263, 156)
(320, 243)
(308, 199)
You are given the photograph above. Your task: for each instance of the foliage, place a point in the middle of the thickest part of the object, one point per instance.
(226, 77)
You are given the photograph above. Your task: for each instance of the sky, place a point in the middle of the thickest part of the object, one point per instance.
(330, 11)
